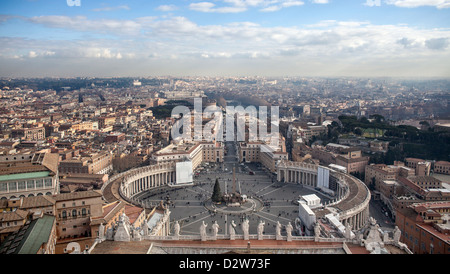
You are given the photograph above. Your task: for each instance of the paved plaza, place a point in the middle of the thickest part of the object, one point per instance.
(191, 205)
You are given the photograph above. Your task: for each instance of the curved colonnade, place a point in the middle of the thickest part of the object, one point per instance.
(351, 201)
(145, 178)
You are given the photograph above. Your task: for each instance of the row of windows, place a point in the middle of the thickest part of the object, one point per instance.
(22, 157)
(25, 185)
(74, 204)
(8, 224)
(74, 213)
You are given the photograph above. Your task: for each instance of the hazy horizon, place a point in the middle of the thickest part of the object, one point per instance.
(229, 38)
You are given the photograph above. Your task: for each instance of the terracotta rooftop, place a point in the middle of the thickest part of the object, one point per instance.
(17, 215)
(133, 212)
(109, 211)
(37, 201)
(77, 195)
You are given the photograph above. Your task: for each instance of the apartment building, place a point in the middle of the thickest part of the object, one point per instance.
(30, 134)
(260, 152)
(421, 167)
(352, 160)
(28, 175)
(95, 163)
(442, 167)
(377, 173)
(425, 227)
(196, 152)
(11, 221)
(74, 212)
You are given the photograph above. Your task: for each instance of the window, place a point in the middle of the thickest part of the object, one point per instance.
(64, 214)
(39, 183)
(48, 182)
(30, 184)
(12, 186)
(21, 185)
(74, 213)
(83, 212)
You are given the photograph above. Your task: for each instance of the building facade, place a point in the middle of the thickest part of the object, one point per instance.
(28, 175)
(442, 167)
(424, 227)
(74, 212)
(96, 163)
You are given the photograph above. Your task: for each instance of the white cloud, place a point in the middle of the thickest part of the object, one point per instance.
(167, 8)
(202, 6)
(235, 6)
(320, 1)
(440, 4)
(123, 7)
(81, 23)
(282, 4)
(211, 7)
(32, 54)
(161, 39)
(373, 3)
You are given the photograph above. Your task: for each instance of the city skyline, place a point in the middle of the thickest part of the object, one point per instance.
(225, 38)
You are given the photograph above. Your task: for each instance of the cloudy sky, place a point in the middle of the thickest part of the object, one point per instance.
(224, 38)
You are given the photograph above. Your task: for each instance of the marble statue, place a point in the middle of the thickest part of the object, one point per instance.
(289, 231)
(123, 233)
(101, 231)
(348, 232)
(215, 228)
(245, 227)
(232, 230)
(136, 234)
(110, 234)
(260, 229)
(145, 229)
(373, 238)
(397, 234)
(278, 231)
(203, 231)
(177, 229)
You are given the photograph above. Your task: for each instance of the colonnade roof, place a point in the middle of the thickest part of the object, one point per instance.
(357, 195)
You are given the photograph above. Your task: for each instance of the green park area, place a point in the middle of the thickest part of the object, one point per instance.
(404, 141)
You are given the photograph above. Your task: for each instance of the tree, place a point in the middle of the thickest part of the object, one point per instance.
(217, 193)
